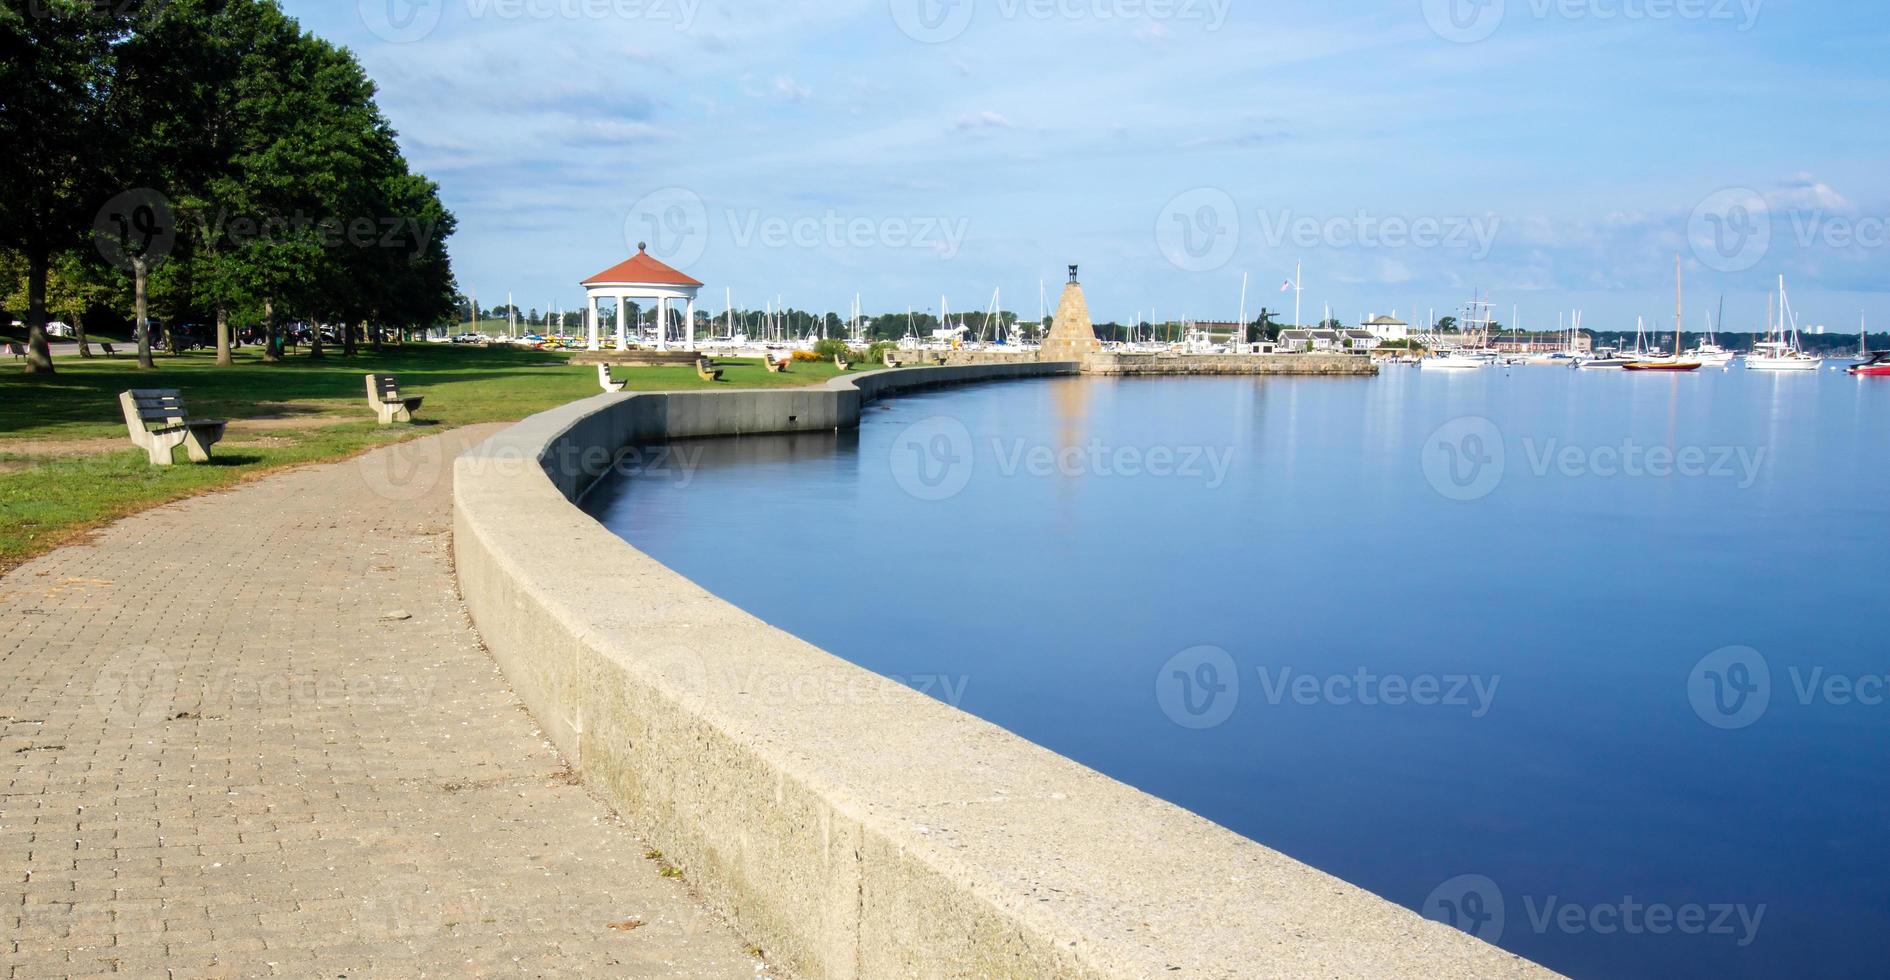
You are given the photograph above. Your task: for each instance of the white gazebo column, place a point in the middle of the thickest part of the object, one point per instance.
(662, 323)
(689, 326)
(591, 306)
(622, 306)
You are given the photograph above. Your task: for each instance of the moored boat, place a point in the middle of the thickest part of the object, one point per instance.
(1605, 359)
(1672, 364)
(1452, 360)
(1778, 356)
(1661, 362)
(1780, 351)
(1873, 366)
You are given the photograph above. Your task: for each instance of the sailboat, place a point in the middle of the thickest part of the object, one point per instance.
(1780, 351)
(1470, 352)
(1677, 362)
(1870, 365)
(1709, 352)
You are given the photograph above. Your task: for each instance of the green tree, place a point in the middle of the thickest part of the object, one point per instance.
(55, 71)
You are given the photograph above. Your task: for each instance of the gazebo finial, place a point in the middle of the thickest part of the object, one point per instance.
(643, 247)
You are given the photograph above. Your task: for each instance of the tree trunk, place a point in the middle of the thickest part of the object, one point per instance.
(374, 336)
(139, 272)
(78, 330)
(315, 342)
(348, 340)
(272, 337)
(38, 351)
(223, 338)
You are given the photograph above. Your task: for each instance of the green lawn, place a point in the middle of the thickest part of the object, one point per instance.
(66, 465)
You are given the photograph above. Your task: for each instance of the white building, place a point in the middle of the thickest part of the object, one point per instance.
(1357, 339)
(1388, 328)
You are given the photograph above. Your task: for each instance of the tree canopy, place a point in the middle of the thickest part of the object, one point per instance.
(218, 158)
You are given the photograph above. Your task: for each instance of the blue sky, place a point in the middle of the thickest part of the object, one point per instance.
(1554, 153)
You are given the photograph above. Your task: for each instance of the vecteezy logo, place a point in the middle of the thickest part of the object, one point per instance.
(406, 471)
(1464, 459)
(673, 223)
(1731, 230)
(401, 21)
(1463, 21)
(1198, 688)
(136, 226)
(135, 686)
(932, 21)
(932, 460)
(1198, 230)
(1471, 903)
(1731, 687)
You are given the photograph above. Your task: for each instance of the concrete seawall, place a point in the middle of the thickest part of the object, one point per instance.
(849, 826)
(1119, 364)
(1322, 365)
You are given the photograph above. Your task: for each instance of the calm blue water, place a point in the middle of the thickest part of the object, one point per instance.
(1548, 705)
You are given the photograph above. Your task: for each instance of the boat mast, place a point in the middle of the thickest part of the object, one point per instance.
(1678, 324)
(1239, 339)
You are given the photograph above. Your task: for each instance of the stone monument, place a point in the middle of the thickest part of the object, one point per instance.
(1072, 336)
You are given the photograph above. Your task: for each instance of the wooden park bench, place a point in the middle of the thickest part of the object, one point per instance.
(774, 366)
(159, 423)
(14, 348)
(887, 359)
(383, 393)
(707, 371)
(109, 350)
(607, 382)
(842, 363)
(938, 359)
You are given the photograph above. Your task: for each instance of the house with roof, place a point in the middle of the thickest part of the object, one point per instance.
(1301, 341)
(1387, 328)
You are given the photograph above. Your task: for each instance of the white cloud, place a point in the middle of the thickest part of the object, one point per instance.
(1802, 192)
(986, 120)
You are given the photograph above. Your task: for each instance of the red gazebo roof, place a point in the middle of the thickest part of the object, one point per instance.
(641, 269)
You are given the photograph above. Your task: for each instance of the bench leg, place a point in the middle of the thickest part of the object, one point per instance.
(198, 447)
(162, 446)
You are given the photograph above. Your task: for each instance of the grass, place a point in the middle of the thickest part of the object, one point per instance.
(66, 465)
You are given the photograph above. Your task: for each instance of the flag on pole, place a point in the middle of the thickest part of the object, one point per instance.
(1286, 286)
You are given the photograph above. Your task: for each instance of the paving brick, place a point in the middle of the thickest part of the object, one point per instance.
(235, 764)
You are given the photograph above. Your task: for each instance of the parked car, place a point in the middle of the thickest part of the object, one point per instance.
(196, 336)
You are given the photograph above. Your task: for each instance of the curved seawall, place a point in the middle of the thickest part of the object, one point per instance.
(849, 826)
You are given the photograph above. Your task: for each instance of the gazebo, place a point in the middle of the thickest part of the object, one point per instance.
(643, 278)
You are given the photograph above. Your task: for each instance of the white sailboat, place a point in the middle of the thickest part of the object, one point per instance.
(1475, 328)
(1708, 351)
(1780, 351)
(1452, 360)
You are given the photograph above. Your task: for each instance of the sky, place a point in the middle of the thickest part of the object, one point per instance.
(1554, 155)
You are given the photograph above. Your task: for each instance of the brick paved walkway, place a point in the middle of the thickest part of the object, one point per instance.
(254, 733)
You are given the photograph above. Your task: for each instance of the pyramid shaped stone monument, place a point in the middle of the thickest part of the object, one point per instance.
(1072, 335)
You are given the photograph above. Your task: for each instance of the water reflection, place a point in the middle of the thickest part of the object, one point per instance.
(1582, 771)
